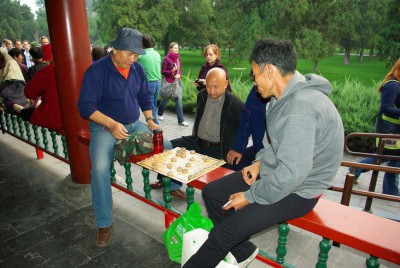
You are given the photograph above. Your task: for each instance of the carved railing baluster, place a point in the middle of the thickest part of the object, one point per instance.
(7, 118)
(146, 183)
(372, 262)
(64, 145)
(53, 135)
(20, 127)
(190, 196)
(281, 250)
(324, 247)
(113, 172)
(36, 134)
(44, 137)
(14, 124)
(167, 195)
(28, 130)
(128, 177)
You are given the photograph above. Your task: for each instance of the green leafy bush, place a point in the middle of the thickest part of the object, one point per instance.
(357, 104)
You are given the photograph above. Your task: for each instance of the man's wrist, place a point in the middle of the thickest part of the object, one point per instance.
(149, 118)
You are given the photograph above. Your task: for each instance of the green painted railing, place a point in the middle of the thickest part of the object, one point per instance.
(43, 139)
(38, 137)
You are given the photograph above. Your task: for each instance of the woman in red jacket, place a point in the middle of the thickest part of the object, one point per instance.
(43, 86)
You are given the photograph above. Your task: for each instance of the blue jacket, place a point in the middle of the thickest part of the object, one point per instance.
(252, 122)
(106, 90)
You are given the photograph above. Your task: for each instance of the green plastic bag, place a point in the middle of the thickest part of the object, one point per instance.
(188, 221)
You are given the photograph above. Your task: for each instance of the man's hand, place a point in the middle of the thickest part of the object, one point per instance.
(238, 202)
(251, 172)
(152, 126)
(233, 157)
(118, 130)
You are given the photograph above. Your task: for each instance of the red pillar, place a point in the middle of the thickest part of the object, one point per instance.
(69, 36)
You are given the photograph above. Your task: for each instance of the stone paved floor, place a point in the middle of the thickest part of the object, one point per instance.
(47, 221)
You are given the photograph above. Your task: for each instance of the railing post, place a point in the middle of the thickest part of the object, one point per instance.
(281, 250)
(348, 187)
(166, 191)
(374, 176)
(324, 247)
(128, 177)
(113, 172)
(53, 136)
(372, 262)
(190, 196)
(146, 182)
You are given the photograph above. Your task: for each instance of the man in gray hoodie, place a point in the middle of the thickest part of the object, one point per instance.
(301, 156)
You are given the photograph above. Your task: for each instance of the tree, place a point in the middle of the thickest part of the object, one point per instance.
(240, 24)
(42, 28)
(154, 18)
(307, 23)
(347, 16)
(15, 20)
(192, 27)
(389, 43)
(372, 14)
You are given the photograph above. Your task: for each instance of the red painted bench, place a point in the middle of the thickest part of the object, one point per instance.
(357, 229)
(371, 234)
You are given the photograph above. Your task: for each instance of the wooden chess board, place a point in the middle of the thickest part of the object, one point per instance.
(181, 164)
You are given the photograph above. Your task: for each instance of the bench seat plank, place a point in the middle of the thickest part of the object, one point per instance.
(357, 229)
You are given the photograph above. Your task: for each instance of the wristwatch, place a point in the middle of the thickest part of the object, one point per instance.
(149, 118)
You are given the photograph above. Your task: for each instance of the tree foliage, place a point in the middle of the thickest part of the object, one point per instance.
(16, 20)
(389, 42)
(316, 27)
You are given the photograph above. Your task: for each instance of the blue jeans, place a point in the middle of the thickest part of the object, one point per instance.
(101, 150)
(358, 171)
(155, 88)
(391, 180)
(178, 106)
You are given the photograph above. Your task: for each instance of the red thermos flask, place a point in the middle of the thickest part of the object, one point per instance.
(158, 141)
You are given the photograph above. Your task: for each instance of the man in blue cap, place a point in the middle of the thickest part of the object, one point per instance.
(113, 90)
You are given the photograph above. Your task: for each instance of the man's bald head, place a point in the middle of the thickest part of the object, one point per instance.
(216, 83)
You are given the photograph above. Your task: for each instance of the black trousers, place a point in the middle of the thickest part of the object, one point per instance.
(233, 228)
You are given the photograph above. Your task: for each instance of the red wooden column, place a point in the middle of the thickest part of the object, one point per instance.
(69, 37)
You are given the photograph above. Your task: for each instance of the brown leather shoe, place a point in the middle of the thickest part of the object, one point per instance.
(179, 194)
(157, 185)
(103, 237)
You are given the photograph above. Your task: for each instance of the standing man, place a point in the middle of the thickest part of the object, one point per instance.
(44, 40)
(27, 56)
(302, 152)
(113, 90)
(151, 62)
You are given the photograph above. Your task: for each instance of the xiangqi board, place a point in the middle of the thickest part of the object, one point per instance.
(181, 164)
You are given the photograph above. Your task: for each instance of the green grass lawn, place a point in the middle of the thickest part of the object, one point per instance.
(370, 72)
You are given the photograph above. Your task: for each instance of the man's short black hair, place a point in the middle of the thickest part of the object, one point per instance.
(147, 41)
(36, 53)
(14, 52)
(279, 53)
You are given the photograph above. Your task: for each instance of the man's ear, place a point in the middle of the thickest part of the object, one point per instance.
(226, 84)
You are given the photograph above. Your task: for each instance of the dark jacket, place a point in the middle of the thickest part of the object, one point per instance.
(252, 122)
(204, 70)
(229, 119)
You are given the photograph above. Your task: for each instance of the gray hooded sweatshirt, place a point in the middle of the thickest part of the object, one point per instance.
(306, 135)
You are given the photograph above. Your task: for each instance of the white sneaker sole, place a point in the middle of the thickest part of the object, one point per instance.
(246, 263)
